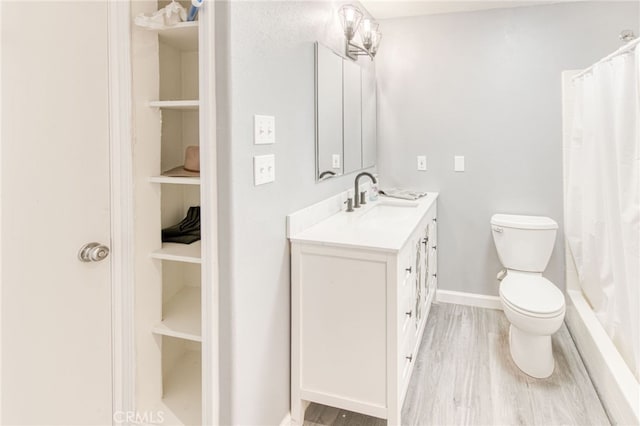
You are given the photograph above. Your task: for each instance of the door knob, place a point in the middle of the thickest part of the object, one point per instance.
(93, 252)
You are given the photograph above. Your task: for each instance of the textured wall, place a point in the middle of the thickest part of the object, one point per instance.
(486, 85)
(265, 65)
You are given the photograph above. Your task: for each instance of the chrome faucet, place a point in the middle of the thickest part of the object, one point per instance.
(358, 201)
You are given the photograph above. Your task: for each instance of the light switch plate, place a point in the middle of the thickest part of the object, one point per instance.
(264, 129)
(264, 169)
(335, 161)
(458, 163)
(422, 163)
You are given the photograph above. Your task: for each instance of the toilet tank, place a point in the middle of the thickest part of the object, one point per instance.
(524, 243)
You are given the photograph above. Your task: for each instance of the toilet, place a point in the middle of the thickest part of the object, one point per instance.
(533, 305)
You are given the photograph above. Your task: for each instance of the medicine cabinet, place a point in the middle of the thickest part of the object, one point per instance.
(345, 114)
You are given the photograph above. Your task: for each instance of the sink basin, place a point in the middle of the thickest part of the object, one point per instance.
(388, 212)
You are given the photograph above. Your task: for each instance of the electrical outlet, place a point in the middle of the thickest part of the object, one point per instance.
(264, 169)
(264, 129)
(422, 163)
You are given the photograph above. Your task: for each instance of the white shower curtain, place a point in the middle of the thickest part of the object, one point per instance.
(603, 195)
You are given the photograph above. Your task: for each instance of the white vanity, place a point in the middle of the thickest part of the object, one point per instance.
(362, 286)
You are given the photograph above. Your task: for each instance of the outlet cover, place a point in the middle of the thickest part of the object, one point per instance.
(264, 169)
(335, 161)
(422, 163)
(264, 129)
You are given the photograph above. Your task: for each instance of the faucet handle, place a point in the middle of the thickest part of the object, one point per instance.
(349, 204)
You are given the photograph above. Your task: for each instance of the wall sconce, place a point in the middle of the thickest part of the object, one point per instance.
(352, 22)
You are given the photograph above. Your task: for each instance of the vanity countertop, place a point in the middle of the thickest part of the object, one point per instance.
(383, 225)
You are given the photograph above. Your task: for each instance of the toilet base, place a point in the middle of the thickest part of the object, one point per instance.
(531, 353)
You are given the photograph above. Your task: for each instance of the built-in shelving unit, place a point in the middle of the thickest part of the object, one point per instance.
(169, 329)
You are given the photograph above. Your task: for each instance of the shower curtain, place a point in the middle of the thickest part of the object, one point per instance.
(603, 195)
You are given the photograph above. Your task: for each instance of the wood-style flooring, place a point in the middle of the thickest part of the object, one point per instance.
(464, 375)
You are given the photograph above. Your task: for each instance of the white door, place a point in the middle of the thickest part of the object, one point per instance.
(54, 165)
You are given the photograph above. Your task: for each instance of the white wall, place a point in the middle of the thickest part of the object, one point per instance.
(486, 85)
(265, 65)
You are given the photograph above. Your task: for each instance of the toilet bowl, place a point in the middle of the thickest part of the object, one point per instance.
(534, 306)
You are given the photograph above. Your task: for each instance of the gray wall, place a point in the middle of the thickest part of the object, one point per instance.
(486, 85)
(265, 65)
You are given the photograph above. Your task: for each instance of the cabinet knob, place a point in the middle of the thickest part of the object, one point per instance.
(409, 358)
(408, 269)
(425, 241)
(435, 219)
(409, 314)
(433, 247)
(434, 275)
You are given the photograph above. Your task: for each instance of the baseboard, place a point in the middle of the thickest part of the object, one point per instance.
(286, 421)
(468, 299)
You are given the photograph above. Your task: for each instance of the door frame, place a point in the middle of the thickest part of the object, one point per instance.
(209, 197)
(122, 207)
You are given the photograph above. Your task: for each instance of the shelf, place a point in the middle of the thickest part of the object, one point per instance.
(182, 36)
(182, 400)
(181, 105)
(175, 180)
(189, 253)
(181, 316)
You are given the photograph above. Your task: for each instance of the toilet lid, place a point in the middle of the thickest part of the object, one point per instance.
(534, 294)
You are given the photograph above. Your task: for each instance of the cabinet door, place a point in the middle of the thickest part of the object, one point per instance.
(426, 265)
(432, 250)
(418, 281)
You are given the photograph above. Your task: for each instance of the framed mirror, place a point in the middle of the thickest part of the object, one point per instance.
(345, 114)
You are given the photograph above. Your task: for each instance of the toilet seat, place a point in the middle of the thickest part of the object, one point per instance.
(532, 295)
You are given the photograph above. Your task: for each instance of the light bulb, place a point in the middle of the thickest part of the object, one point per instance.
(348, 15)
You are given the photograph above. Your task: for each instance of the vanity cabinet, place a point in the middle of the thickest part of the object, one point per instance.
(358, 313)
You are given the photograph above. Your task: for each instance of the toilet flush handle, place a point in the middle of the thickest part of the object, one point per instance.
(501, 274)
(498, 229)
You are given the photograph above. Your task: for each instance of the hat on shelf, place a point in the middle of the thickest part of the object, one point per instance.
(191, 164)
